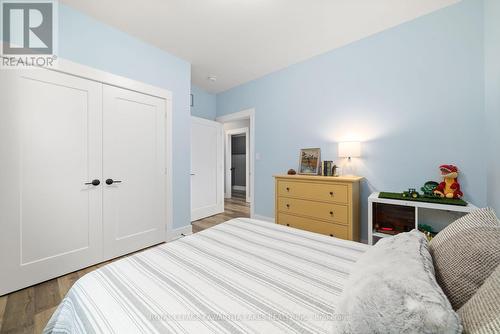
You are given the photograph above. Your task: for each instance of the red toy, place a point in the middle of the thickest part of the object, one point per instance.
(449, 188)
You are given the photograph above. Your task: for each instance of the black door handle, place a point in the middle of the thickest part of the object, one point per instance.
(111, 181)
(95, 183)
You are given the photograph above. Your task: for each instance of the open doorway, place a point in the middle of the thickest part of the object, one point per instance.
(237, 163)
(239, 131)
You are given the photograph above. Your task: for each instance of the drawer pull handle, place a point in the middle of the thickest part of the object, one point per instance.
(288, 206)
(331, 213)
(287, 189)
(331, 235)
(331, 193)
(287, 224)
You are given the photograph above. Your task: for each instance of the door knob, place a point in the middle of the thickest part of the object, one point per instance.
(111, 181)
(95, 183)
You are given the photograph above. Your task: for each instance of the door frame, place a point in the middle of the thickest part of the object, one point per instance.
(237, 116)
(229, 162)
(89, 73)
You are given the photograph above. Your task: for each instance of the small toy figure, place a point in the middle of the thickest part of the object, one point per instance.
(449, 188)
(429, 187)
(412, 192)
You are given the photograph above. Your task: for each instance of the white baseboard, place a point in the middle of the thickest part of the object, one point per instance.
(241, 188)
(264, 218)
(179, 232)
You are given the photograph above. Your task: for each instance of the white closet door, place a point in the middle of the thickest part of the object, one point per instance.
(50, 137)
(207, 173)
(134, 158)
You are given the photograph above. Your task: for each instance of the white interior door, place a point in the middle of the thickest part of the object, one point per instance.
(133, 171)
(207, 168)
(50, 146)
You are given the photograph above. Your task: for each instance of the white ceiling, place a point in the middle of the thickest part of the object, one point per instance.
(241, 40)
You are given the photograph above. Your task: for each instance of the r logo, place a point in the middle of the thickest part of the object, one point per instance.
(27, 28)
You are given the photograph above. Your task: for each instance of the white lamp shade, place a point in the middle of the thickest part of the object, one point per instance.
(350, 149)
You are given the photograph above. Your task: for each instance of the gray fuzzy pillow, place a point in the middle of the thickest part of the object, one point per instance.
(392, 289)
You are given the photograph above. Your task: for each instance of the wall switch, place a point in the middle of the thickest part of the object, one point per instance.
(257, 156)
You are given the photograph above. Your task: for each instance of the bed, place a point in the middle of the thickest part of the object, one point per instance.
(242, 276)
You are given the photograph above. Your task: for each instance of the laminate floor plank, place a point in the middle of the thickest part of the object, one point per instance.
(47, 295)
(3, 303)
(234, 207)
(19, 312)
(66, 282)
(42, 318)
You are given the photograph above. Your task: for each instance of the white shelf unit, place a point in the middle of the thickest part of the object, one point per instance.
(373, 198)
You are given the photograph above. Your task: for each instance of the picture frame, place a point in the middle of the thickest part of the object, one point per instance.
(309, 161)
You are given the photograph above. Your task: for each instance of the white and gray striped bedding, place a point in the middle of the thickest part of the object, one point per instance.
(242, 276)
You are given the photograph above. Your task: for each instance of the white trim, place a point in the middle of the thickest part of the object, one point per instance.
(89, 73)
(169, 167)
(179, 232)
(86, 72)
(229, 164)
(245, 114)
(239, 188)
(264, 218)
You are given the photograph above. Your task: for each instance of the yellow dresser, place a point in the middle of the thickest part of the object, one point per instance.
(322, 204)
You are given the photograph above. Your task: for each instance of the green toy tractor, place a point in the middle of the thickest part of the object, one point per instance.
(411, 193)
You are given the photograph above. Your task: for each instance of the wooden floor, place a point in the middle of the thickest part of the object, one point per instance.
(29, 310)
(234, 207)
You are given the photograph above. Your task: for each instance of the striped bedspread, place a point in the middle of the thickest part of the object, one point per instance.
(242, 276)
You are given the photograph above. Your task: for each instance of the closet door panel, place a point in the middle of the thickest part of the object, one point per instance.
(54, 226)
(133, 155)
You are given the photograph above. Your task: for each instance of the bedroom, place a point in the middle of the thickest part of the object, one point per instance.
(415, 84)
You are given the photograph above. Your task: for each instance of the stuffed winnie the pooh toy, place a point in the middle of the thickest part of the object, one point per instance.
(449, 188)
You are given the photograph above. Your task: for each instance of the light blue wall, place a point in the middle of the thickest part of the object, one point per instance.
(89, 42)
(413, 94)
(492, 76)
(204, 103)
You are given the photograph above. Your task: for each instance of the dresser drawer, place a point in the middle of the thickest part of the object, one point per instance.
(314, 191)
(325, 211)
(333, 230)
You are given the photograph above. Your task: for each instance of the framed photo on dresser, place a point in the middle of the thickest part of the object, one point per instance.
(309, 161)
